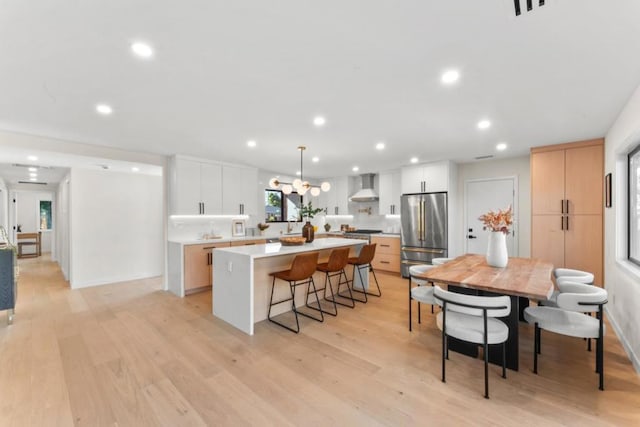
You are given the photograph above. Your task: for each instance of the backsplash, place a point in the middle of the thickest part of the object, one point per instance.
(195, 227)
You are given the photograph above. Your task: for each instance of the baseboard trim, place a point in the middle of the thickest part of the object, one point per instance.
(635, 361)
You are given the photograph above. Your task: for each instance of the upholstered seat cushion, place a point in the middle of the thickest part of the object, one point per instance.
(423, 294)
(575, 275)
(419, 269)
(563, 322)
(471, 328)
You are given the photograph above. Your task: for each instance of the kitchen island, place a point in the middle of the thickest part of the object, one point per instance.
(242, 285)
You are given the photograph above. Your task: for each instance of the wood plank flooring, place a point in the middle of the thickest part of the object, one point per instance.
(130, 354)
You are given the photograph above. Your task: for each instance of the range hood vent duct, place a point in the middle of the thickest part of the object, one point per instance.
(367, 194)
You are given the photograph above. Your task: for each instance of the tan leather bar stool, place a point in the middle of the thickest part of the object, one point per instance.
(300, 273)
(363, 261)
(332, 268)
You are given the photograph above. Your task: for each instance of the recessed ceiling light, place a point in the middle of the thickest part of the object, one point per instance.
(414, 160)
(319, 121)
(251, 143)
(298, 173)
(33, 174)
(380, 146)
(33, 179)
(135, 169)
(33, 169)
(355, 169)
(484, 124)
(316, 159)
(450, 76)
(143, 50)
(104, 109)
(501, 146)
(32, 158)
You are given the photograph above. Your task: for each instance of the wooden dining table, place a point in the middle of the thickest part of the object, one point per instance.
(522, 279)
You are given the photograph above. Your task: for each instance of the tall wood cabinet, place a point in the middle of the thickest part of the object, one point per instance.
(566, 205)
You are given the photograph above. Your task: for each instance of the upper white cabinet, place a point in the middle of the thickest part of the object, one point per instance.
(389, 191)
(196, 188)
(210, 188)
(336, 200)
(428, 177)
(240, 192)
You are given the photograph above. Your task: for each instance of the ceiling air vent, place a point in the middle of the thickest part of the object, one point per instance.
(32, 182)
(488, 156)
(20, 165)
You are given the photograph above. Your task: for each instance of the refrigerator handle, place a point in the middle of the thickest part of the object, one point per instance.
(424, 220)
(420, 220)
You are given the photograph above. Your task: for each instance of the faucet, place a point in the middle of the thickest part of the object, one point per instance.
(289, 226)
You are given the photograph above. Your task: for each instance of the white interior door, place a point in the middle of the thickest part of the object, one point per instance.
(482, 196)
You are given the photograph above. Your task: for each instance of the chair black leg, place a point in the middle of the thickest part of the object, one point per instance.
(353, 279)
(504, 360)
(432, 304)
(444, 352)
(600, 351)
(419, 314)
(536, 348)
(379, 294)
(486, 370)
(410, 304)
(338, 294)
(293, 307)
(319, 309)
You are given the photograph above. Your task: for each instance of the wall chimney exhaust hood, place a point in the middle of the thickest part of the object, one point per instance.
(367, 194)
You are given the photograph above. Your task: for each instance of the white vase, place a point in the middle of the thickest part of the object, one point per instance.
(497, 255)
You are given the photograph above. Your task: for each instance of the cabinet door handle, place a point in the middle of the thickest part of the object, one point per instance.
(567, 227)
(385, 262)
(385, 246)
(562, 223)
(336, 210)
(567, 211)
(562, 206)
(241, 209)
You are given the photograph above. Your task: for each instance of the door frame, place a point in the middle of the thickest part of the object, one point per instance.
(516, 209)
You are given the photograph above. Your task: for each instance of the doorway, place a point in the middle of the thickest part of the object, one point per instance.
(481, 196)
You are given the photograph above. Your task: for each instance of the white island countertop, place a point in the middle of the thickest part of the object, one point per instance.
(276, 249)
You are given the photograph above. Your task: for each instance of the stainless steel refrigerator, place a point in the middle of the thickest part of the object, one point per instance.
(424, 229)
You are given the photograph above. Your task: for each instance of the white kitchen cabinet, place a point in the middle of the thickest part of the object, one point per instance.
(197, 188)
(336, 200)
(427, 178)
(389, 191)
(240, 193)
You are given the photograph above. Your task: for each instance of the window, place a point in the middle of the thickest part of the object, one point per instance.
(634, 206)
(45, 215)
(280, 207)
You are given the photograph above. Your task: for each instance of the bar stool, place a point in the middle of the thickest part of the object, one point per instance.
(334, 267)
(422, 292)
(363, 260)
(301, 273)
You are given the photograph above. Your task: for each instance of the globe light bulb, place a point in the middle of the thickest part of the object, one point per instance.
(302, 191)
(315, 191)
(273, 183)
(287, 189)
(297, 183)
(325, 186)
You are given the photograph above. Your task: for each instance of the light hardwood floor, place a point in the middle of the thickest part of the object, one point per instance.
(130, 354)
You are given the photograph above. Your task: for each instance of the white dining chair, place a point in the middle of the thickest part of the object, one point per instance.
(440, 261)
(473, 319)
(570, 318)
(422, 292)
(567, 275)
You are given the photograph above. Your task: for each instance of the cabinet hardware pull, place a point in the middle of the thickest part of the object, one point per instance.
(567, 211)
(562, 223)
(385, 246)
(562, 206)
(567, 228)
(385, 262)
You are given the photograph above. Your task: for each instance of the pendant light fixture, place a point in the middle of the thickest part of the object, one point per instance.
(299, 184)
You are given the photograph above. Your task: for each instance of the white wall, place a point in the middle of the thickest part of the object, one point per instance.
(622, 278)
(28, 204)
(117, 227)
(62, 232)
(516, 166)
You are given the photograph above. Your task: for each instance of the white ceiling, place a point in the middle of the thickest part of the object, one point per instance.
(228, 71)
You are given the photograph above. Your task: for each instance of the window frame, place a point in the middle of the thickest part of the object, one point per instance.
(283, 210)
(632, 202)
(39, 213)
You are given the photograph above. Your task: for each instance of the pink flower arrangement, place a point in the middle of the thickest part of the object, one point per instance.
(498, 221)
